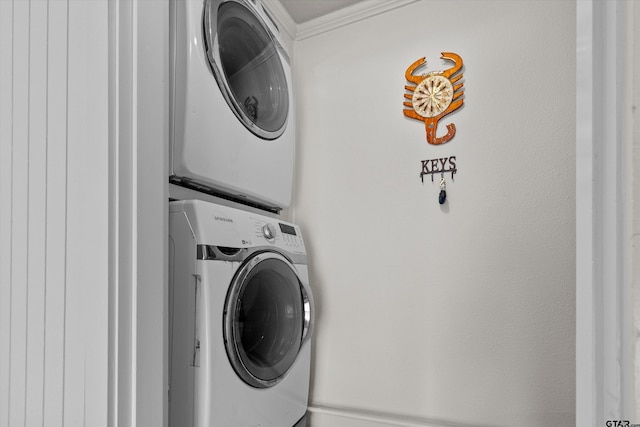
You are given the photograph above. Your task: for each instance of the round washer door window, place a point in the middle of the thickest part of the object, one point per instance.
(246, 64)
(266, 319)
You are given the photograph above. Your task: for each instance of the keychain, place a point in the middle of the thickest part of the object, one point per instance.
(443, 193)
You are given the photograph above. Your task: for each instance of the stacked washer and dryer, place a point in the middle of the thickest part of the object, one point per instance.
(240, 306)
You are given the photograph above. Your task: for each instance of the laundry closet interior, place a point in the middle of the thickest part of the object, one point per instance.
(190, 235)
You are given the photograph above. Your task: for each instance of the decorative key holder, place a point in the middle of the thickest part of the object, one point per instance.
(433, 96)
(440, 166)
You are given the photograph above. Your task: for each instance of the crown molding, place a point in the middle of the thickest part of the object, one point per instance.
(331, 21)
(348, 15)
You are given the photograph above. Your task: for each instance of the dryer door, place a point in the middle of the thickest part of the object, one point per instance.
(267, 319)
(245, 60)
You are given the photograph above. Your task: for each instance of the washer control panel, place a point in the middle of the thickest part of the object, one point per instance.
(291, 236)
(269, 232)
(218, 225)
(279, 233)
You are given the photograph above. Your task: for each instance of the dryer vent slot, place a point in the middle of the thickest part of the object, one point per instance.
(229, 251)
(210, 252)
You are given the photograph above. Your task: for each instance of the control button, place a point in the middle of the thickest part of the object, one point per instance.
(269, 232)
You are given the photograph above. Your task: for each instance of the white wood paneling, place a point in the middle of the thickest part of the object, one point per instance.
(87, 215)
(56, 209)
(6, 114)
(54, 188)
(36, 212)
(19, 201)
(6, 180)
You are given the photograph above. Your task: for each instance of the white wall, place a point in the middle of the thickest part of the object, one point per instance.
(428, 314)
(53, 213)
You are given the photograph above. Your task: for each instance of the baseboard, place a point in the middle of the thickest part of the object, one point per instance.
(325, 416)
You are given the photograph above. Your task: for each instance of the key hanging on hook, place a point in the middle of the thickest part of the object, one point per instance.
(443, 192)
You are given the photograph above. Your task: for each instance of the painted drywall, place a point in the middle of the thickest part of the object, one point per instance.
(461, 313)
(54, 213)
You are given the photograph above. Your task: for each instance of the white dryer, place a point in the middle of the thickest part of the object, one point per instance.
(232, 121)
(241, 318)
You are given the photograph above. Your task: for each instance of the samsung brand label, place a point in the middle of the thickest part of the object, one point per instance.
(223, 219)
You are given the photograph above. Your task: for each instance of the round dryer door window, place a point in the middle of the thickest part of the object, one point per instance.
(266, 320)
(247, 66)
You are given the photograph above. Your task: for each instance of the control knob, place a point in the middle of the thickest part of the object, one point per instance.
(269, 232)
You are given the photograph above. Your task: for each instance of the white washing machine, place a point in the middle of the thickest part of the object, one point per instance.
(232, 121)
(241, 318)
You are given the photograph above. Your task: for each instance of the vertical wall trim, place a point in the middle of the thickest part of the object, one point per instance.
(66, 217)
(121, 211)
(28, 212)
(46, 211)
(629, 378)
(138, 97)
(624, 62)
(602, 255)
(112, 403)
(633, 82)
(151, 57)
(135, 232)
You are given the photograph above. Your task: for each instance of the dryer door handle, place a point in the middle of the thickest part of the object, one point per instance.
(196, 320)
(309, 312)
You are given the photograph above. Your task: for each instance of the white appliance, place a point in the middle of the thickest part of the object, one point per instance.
(232, 121)
(240, 319)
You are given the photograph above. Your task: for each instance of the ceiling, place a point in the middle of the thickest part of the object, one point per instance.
(306, 10)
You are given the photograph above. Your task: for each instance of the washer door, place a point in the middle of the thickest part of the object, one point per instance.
(244, 58)
(267, 318)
